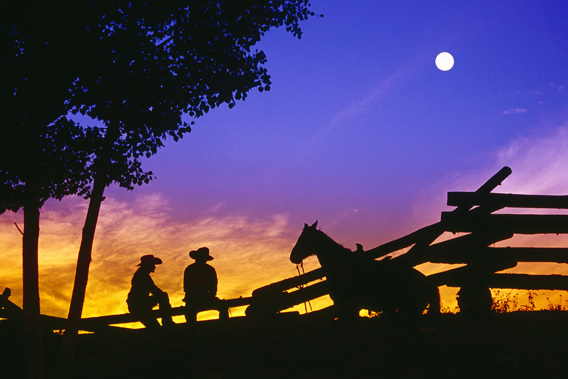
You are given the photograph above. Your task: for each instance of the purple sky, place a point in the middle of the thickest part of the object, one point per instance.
(360, 130)
(359, 118)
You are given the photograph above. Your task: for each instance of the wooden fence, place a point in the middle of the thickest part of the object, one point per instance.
(479, 229)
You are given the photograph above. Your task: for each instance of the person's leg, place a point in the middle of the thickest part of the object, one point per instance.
(190, 313)
(144, 315)
(190, 316)
(193, 306)
(148, 320)
(222, 308)
(165, 309)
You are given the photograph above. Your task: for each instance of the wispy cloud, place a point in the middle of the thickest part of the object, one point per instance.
(519, 93)
(560, 86)
(538, 163)
(538, 166)
(515, 111)
(249, 253)
(366, 101)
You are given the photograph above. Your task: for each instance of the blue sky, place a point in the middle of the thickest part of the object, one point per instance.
(359, 130)
(359, 116)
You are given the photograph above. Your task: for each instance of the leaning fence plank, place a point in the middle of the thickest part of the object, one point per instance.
(290, 283)
(514, 223)
(414, 256)
(504, 200)
(519, 254)
(272, 303)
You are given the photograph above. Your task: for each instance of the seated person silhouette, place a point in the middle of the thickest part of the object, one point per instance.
(145, 295)
(200, 286)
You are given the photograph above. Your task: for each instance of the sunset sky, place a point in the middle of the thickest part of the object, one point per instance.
(360, 131)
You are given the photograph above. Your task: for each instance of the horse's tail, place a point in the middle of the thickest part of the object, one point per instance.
(434, 301)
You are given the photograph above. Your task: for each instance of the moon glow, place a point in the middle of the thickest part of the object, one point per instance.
(444, 61)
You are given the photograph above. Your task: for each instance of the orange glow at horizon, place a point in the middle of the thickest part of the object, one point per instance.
(123, 235)
(248, 254)
(249, 251)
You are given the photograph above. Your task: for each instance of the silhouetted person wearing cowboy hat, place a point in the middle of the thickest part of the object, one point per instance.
(145, 295)
(200, 286)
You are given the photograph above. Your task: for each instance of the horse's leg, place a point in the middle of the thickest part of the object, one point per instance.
(434, 300)
(474, 299)
(427, 294)
(346, 307)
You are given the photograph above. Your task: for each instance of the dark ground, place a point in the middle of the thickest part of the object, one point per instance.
(521, 344)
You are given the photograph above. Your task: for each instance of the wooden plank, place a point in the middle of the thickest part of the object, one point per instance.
(290, 283)
(11, 311)
(529, 282)
(486, 188)
(464, 248)
(429, 234)
(493, 182)
(91, 323)
(532, 254)
(425, 233)
(468, 257)
(101, 322)
(459, 276)
(464, 274)
(266, 305)
(503, 200)
(53, 322)
(237, 302)
(514, 223)
(518, 254)
(96, 323)
(520, 281)
(308, 293)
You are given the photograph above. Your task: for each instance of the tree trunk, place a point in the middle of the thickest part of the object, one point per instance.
(31, 289)
(100, 182)
(81, 278)
(30, 262)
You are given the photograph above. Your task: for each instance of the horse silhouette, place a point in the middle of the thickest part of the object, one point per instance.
(359, 282)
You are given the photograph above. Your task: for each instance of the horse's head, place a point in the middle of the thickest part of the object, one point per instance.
(304, 246)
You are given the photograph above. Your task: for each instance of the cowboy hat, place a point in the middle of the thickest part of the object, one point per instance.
(201, 253)
(149, 260)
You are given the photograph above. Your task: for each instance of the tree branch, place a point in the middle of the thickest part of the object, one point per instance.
(19, 230)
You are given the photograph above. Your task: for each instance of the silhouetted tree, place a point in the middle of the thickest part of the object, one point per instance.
(30, 175)
(137, 68)
(42, 154)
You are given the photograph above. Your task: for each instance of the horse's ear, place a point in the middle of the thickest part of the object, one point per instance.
(315, 225)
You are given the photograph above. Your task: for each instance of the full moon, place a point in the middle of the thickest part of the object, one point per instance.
(444, 61)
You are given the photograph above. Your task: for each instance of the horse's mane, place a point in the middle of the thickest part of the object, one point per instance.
(331, 240)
